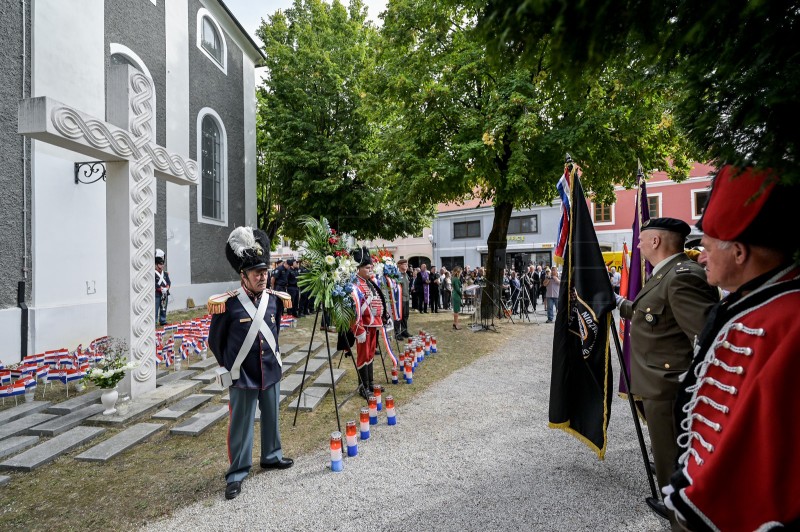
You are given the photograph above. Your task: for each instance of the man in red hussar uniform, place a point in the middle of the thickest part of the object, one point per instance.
(739, 467)
(371, 315)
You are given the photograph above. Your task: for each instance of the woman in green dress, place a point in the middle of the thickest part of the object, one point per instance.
(456, 278)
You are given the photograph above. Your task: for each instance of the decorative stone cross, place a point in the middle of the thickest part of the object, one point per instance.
(126, 141)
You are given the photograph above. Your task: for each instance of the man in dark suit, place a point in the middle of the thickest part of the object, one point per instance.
(666, 317)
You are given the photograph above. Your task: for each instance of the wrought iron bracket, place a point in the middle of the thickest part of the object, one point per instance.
(90, 168)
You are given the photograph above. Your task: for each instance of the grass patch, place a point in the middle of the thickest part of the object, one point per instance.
(168, 472)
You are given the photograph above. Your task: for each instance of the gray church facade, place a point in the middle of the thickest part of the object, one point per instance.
(52, 234)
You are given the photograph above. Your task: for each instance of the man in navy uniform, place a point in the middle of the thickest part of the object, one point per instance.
(162, 289)
(244, 339)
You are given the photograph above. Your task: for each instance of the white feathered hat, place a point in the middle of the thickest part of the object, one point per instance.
(247, 248)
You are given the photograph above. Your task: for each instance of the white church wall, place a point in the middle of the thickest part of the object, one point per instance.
(248, 84)
(178, 138)
(68, 221)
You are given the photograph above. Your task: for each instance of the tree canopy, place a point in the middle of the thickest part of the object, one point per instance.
(738, 62)
(314, 135)
(458, 122)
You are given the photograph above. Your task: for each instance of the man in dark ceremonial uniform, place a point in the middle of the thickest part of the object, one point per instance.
(244, 339)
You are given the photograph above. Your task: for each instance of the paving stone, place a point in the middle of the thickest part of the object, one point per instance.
(214, 388)
(16, 444)
(314, 347)
(182, 407)
(294, 358)
(207, 377)
(208, 363)
(291, 383)
(4, 480)
(60, 424)
(108, 449)
(310, 398)
(76, 403)
(325, 378)
(176, 376)
(145, 405)
(51, 449)
(322, 353)
(288, 349)
(198, 423)
(313, 365)
(23, 424)
(225, 398)
(22, 410)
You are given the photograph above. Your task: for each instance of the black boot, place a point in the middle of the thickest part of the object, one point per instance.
(363, 389)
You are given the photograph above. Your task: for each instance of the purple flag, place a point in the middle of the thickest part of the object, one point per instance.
(639, 269)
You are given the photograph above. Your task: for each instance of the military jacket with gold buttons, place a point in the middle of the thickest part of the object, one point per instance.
(667, 315)
(227, 332)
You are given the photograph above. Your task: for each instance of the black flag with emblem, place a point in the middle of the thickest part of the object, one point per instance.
(581, 379)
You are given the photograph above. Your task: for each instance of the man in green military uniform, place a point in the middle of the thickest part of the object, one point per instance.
(666, 317)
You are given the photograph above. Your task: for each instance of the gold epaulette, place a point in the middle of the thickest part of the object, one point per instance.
(285, 297)
(216, 304)
(693, 254)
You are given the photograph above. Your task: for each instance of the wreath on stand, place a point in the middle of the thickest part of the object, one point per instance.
(331, 272)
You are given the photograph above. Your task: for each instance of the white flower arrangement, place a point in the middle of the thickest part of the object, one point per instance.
(111, 369)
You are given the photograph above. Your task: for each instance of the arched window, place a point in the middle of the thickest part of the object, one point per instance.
(211, 148)
(210, 39)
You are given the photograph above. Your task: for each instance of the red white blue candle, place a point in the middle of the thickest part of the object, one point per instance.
(434, 349)
(408, 370)
(394, 375)
(373, 410)
(376, 391)
(391, 417)
(336, 451)
(364, 423)
(352, 440)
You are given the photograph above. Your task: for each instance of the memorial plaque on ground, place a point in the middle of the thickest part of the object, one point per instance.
(291, 383)
(16, 443)
(208, 363)
(76, 403)
(294, 358)
(63, 423)
(22, 424)
(105, 450)
(51, 449)
(325, 378)
(198, 423)
(183, 407)
(313, 365)
(22, 410)
(310, 398)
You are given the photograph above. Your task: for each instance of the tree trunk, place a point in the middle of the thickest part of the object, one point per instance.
(495, 260)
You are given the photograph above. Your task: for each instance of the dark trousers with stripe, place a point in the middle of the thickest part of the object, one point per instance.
(242, 408)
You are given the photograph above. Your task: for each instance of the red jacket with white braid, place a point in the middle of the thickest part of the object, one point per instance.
(740, 469)
(371, 309)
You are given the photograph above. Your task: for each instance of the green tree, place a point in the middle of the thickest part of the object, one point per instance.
(739, 62)
(458, 123)
(314, 136)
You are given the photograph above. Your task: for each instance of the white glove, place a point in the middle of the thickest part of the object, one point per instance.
(361, 338)
(619, 299)
(389, 325)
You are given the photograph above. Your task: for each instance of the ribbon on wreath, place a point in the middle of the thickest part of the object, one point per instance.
(388, 345)
(395, 298)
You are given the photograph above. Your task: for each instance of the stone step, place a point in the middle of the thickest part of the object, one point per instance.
(214, 388)
(16, 444)
(310, 398)
(22, 410)
(175, 376)
(183, 407)
(291, 383)
(76, 403)
(325, 378)
(207, 376)
(146, 404)
(23, 424)
(208, 363)
(4, 480)
(294, 358)
(108, 449)
(322, 353)
(288, 349)
(56, 426)
(198, 423)
(51, 449)
(313, 365)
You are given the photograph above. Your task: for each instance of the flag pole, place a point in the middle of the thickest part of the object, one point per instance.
(636, 422)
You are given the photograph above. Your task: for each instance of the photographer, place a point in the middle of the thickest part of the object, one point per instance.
(552, 286)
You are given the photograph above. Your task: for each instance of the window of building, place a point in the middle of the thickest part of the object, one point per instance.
(699, 199)
(602, 213)
(523, 224)
(212, 155)
(452, 262)
(210, 39)
(467, 229)
(654, 205)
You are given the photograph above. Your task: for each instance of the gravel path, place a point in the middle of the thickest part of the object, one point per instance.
(473, 453)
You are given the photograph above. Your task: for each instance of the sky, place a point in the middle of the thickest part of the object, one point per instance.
(250, 12)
